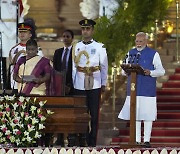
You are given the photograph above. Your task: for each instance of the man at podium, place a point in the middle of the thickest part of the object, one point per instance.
(146, 107)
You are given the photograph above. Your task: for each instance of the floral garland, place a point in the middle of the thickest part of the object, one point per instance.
(22, 120)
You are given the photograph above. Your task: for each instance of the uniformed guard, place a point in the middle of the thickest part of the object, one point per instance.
(25, 31)
(90, 67)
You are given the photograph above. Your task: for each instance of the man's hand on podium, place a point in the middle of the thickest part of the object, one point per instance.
(147, 72)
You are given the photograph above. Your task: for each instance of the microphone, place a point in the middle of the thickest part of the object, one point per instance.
(129, 59)
(124, 61)
(138, 55)
(133, 58)
(10, 79)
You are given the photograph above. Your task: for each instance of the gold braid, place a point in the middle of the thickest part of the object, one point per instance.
(78, 57)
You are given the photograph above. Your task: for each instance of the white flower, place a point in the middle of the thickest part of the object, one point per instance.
(1, 134)
(29, 139)
(11, 98)
(3, 126)
(38, 111)
(24, 105)
(34, 121)
(2, 139)
(27, 99)
(37, 135)
(15, 131)
(49, 112)
(13, 124)
(15, 105)
(27, 118)
(1, 107)
(41, 103)
(6, 105)
(12, 139)
(22, 114)
(26, 133)
(30, 128)
(41, 126)
(21, 99)
(18, 141)
(35, 99)
(33, 108)
(7, 114)
(90, 9)
(8, 132)
(43, 118)
(1, 98)
(6, 97)
(16, 114)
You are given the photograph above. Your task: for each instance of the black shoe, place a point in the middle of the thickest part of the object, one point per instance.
(72, 140)
(147, 144)
(82, 140)
(138, 143)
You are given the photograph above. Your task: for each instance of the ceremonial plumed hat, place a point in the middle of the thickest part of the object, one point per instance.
(87, 23)
(23, 27)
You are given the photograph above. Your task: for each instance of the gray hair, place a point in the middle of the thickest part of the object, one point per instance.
(142, 34)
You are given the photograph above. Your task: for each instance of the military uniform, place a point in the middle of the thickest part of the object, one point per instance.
(90, 67)
(18, 51)
(97, 61)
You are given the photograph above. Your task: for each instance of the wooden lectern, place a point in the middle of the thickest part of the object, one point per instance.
(133, 70)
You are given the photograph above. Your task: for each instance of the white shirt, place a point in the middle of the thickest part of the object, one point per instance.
(97, 57)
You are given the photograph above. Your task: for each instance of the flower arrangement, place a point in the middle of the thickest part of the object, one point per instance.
(22, 120)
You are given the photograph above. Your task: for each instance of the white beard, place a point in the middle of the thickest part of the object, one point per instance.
(140, 48)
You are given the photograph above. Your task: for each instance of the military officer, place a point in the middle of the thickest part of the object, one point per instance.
(90, 67)
(25, 31)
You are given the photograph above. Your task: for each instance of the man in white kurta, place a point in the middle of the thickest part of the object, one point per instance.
(146, 107)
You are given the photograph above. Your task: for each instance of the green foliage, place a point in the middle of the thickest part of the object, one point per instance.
(118, 33)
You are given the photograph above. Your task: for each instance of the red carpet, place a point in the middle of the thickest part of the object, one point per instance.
(166, 130)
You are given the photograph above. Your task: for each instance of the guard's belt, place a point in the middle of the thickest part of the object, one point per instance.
(88, 70)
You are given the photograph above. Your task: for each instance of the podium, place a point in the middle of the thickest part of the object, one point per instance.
(133, 70)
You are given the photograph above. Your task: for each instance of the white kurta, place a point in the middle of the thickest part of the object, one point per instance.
(146, 107)
(97, 57)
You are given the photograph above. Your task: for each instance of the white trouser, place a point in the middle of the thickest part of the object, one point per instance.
(147, 131)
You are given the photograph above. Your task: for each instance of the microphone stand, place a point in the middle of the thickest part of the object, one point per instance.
(20, 92)
(17, 19)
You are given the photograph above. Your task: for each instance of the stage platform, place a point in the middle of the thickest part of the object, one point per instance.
(90, 150)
